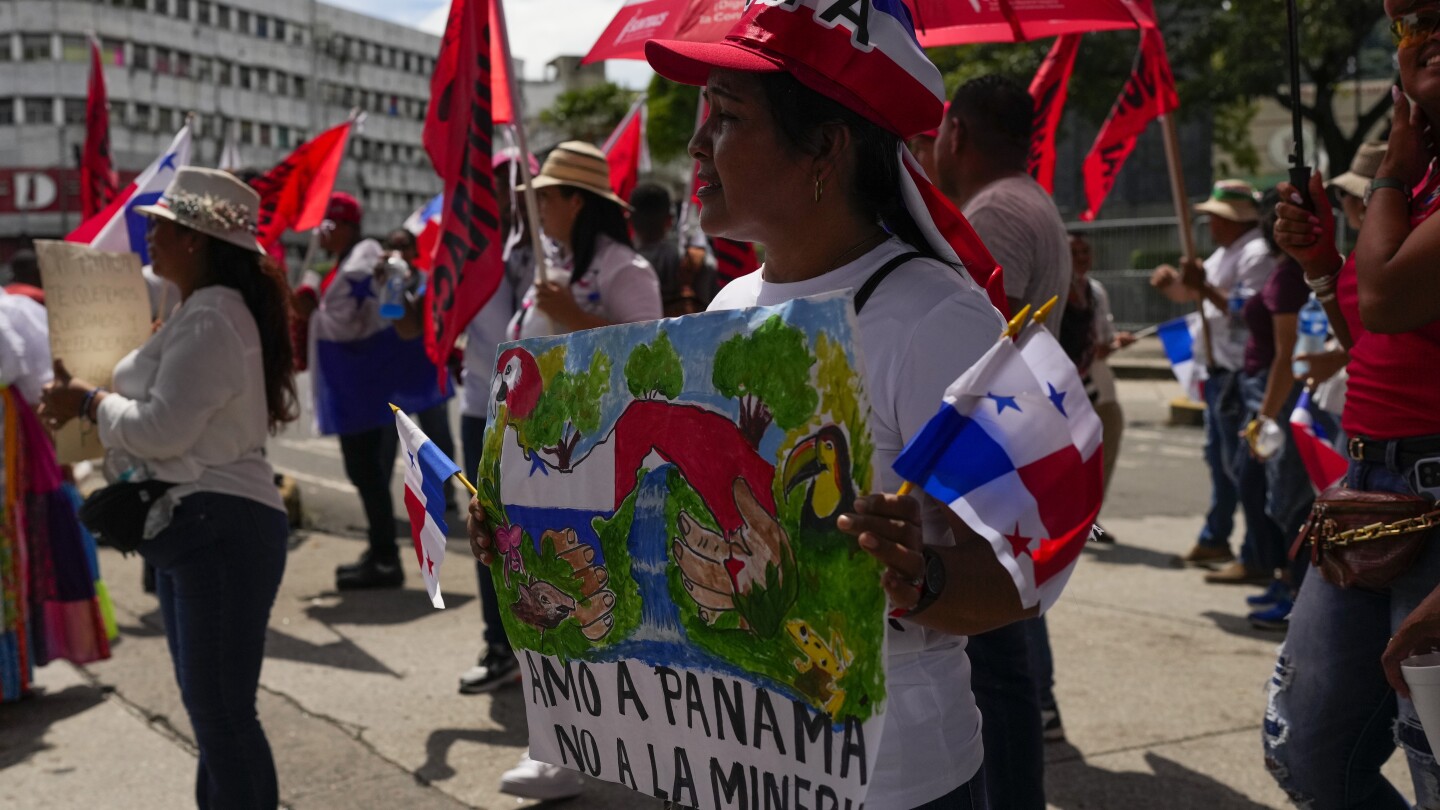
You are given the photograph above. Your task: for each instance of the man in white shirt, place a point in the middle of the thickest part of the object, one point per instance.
(1236, 270)
(980, 157)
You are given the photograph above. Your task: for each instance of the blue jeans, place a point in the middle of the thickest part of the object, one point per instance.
(1332, 719)
(218, 567)
(472, 438)
(1224, 417)
(1009, 702)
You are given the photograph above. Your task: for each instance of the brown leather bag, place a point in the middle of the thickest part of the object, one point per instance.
(1366, 539)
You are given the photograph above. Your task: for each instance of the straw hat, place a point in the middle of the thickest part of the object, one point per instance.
(1362, 169)
(580, 165)
(212, 202)
(1233, 200)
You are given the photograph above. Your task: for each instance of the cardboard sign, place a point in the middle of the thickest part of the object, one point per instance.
(689, 620)
(99, 311)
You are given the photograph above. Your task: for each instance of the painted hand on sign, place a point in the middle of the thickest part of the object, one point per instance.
(723, 574)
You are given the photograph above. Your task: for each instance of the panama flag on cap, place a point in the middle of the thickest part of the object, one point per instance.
(1323, 463)
(118, 228)
(1001, 453)
(426, 471)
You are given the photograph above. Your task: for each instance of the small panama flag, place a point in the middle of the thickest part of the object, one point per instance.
(1323, 463)
(426, 471)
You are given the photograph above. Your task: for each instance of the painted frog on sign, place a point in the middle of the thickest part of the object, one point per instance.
(830, 659)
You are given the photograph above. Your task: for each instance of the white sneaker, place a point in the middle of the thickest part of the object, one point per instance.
(541, 780)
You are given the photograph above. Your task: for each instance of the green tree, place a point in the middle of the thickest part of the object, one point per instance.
(1236, 51)
(568, 409)
(670, 117)
(840, 396)
(590, 113)
(769, 372)
(655, 369)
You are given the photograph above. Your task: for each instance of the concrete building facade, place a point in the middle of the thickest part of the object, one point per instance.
(269, 73)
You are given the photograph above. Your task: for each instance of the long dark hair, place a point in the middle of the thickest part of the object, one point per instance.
(800, 112)
(262, 285)
(598, 216)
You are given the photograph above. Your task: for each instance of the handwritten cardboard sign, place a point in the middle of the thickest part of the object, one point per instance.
(99, 311)
(689, 620)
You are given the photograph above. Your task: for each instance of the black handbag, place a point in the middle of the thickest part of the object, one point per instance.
(116, 514)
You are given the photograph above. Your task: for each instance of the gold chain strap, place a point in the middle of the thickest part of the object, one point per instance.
(1377, 531)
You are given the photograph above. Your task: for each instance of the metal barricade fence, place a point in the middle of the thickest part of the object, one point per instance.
(1126, 252)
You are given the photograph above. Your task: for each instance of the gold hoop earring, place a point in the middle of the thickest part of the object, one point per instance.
(819, 188)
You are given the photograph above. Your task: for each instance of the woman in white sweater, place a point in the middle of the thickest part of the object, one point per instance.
(192, 408)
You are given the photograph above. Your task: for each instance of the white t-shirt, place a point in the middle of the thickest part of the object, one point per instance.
(1246, 264)
(487, 331)
(619, 286)
(190, 403)
(923, 327)
(1018, 221)
(24, 346)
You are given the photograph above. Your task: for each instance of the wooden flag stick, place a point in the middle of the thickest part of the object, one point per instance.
(905, 489)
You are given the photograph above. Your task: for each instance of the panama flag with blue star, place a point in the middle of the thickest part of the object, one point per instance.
(117, 228)
(1004, 453)
(426, 471)
(359, 364)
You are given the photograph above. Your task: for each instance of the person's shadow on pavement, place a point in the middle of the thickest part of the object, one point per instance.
(1073, 784)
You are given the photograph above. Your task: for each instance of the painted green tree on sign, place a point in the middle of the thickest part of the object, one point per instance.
(654, 369)
(769, 372)
(569, 408)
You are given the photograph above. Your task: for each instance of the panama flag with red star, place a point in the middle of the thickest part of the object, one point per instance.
(1001, 453)
(426, 471)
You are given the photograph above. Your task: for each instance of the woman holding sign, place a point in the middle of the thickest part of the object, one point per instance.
(802, 152)
(191, 409)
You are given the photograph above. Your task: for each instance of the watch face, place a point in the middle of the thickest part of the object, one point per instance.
(934, 573)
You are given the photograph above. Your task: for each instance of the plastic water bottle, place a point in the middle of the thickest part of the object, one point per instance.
(1239, 331)
(1311, 330)
(392, 295)
(1270, 439)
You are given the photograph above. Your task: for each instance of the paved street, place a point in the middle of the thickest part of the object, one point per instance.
(1160, 679)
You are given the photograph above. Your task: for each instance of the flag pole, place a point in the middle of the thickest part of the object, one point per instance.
(517, 104)
(1182, 217)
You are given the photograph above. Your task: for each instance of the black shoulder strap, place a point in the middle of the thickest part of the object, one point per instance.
(868, 288)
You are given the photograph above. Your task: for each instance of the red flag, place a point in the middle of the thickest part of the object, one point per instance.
(1149, 93)
(294, 194)
(458, 138)
(1048, 90)
(98, 183)
(502, 106)
(733, 259)
(626, 152)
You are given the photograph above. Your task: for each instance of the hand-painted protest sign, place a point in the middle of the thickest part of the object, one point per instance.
(663, 496)
(99, 310)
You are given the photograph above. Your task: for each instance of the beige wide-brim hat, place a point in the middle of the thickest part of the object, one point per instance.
(578, 164)
(215, 203)
(1362, 169)
(1233, 200)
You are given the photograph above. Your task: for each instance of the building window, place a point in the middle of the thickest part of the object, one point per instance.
(7, 112)
(74, 49)
(140, 116)
(262, 79)
(282, 136)
(224, 72)
(163, 63)
(246, 81)
(265, 132)
(247, 132)
(140, 56)
(297, 35)
(162, 6)
(167, 120)
(202, 12)
(222, 17)
(197, 125)
(299, 86)
(5, 55)
(182, 64)
(347, 97)
(279, 30)
(112, 51)
(242, 21)
(262, 26)
(74, 110)
(35, 47)
(282, 84)
(204, 68)
(182, 9)
(38, 110)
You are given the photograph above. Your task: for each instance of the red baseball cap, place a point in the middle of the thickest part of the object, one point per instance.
(343, 208)
(864, 56)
